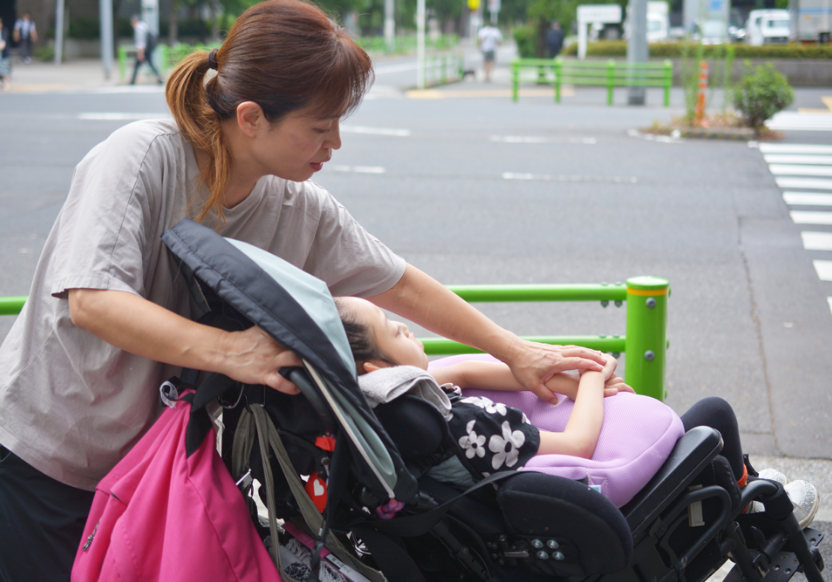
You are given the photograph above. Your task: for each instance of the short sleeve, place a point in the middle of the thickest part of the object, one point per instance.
(351, 260)
(102, 231)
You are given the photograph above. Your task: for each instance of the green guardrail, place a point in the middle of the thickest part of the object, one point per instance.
(645, 341)
(609, 74)
(444, 68)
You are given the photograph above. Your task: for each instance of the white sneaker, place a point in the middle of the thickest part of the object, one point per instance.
(805, 499)
(773, 475)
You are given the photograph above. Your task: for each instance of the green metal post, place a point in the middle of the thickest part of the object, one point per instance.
(122, 62)
(438, 346)
(646, 335)
(668, 81)
(515, 80)
(610, 80)
(11, 305)
(558, 71)
(164, 59)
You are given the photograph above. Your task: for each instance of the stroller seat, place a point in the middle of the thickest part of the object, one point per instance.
(387, 518)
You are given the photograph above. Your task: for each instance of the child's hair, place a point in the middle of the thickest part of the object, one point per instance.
(360, 337)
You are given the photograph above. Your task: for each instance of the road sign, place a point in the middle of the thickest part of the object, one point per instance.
(473, 4)
(599, 13)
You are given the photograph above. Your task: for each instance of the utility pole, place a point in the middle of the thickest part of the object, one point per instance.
(637, 46)
(420, 44)
(389, 25)
(60, 9)
(105, 11)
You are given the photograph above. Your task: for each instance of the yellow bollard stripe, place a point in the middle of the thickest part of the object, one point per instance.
(648, 292)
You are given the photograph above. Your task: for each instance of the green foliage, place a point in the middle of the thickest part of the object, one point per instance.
(676, 50)
(86, 28)
(406, 43)
(44, 53)
(762, 93)
(526, 39)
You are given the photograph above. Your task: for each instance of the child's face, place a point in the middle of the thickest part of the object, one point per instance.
(391, 337)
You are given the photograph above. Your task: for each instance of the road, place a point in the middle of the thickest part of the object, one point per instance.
(475, 189)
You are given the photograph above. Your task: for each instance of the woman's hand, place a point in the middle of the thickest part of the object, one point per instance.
(536, 363)
(254, 357)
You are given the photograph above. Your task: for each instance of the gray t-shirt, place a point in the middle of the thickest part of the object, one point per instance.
(72, 405)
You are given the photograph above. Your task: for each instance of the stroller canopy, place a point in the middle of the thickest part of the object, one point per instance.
(297, 310)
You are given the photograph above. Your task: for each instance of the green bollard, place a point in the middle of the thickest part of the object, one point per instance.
(646, 337)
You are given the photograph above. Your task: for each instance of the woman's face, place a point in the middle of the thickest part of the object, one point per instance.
(392, 338)
(298, 145)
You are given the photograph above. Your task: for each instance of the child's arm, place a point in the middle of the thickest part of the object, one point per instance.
(498, 376)
(584, 425)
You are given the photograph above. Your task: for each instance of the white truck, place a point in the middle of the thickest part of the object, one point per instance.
(811, 20)
(767, 27)
(658, 21)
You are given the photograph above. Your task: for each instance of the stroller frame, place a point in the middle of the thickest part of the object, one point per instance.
(525, 526)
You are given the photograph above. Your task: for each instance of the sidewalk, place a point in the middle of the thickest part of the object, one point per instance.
(78, 75)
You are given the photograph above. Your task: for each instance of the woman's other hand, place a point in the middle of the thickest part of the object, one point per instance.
(535, 364)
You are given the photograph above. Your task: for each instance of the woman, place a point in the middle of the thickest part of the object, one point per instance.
(108, 318)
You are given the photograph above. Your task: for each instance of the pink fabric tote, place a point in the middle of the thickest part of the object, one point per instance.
(161, 516)
(636, 438)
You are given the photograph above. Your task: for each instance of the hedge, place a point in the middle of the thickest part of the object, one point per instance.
(676, 50)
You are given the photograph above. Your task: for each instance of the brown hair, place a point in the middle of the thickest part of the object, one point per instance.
(284, 55)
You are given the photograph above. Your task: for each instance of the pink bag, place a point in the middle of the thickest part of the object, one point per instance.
(161, 516)
(636, 438)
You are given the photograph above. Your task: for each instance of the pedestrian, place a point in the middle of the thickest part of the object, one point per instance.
(554, 39)
(5, 62)
(145, 42)
(489, 38)
(25, 35)
(109, 317)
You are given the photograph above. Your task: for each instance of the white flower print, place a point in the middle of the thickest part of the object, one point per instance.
(511, 441)
(490, 406)
(472, 443)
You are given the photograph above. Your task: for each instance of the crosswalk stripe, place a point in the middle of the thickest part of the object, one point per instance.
(829, 299)
(813, 183)
(807, 199)
(791, 120)
(794, 148)
(817, 241)
(805, 217)
(797, 159)
(824, 270)
(797, 170)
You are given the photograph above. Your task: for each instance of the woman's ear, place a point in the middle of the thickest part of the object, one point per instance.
(249, 117)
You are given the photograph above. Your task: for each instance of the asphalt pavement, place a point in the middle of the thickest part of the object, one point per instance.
(473, 188)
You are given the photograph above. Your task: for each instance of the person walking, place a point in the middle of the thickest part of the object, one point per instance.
(25, 35)
(145, 42)
(489, 38)
(109, 316)
(554, 39)
(5, 63)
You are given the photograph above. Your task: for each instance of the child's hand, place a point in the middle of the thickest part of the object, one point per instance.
(615, 385)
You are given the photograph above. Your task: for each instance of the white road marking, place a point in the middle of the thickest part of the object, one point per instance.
(807, 199)
(375, 130)
(829, 300)
(824, 270)
(798, 170)
(792, 120)
(121, 116)
(794, 159)
(814, 183)
(562, 178)
(359, 169)
(807, 217)
(817, 241)
(794, 148)
(395, 68)
(539, 139)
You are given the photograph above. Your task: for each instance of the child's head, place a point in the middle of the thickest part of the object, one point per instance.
(375, 341)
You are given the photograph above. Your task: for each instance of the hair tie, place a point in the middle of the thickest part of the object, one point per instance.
(212, 59)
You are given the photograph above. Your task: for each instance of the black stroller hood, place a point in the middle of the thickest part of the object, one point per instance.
(297, 310)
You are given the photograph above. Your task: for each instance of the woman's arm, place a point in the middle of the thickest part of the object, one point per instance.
(498, 376)
(584, 425)
(425, 301)
(141, 327)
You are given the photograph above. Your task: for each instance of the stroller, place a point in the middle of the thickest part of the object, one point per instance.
(386, 520)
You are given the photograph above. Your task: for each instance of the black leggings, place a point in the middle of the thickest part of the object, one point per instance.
(717, 413)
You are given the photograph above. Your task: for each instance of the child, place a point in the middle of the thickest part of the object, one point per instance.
(378, 343)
